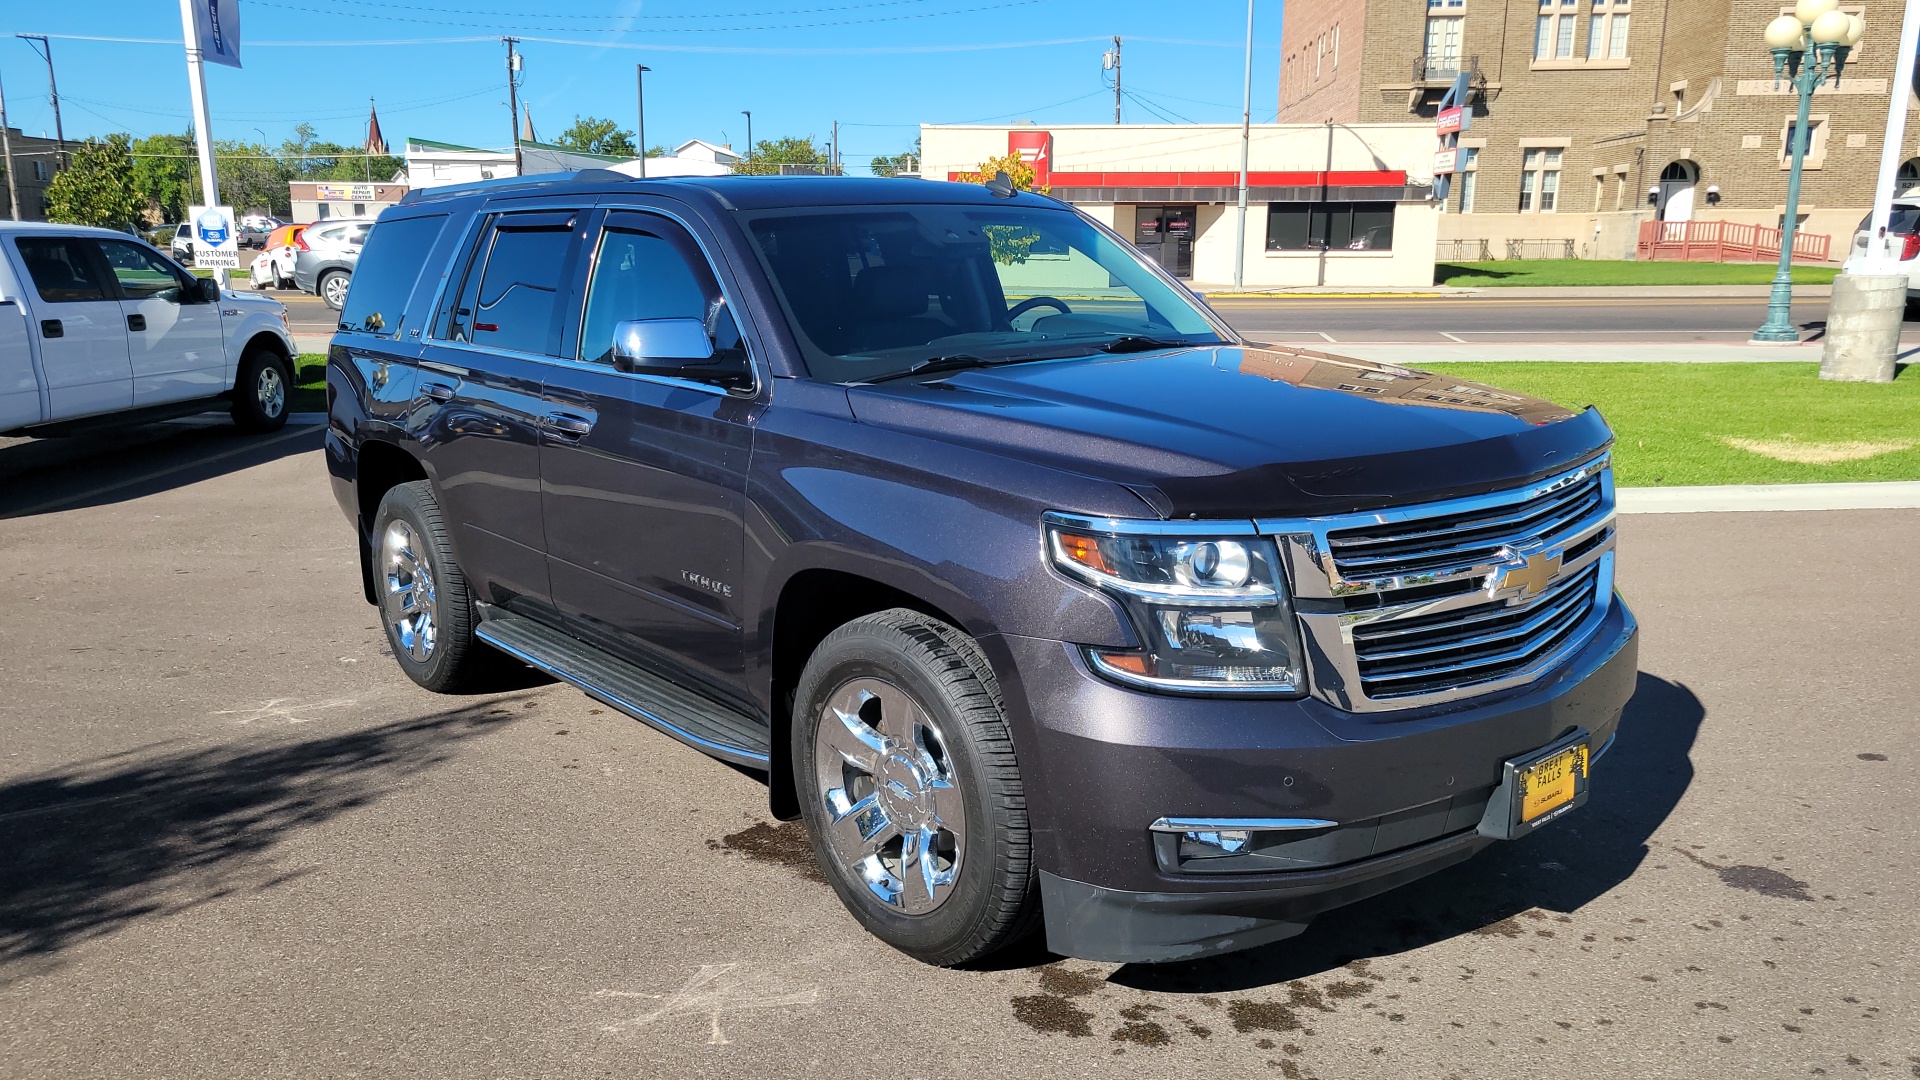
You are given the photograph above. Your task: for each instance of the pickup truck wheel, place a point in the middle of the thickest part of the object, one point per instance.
(260, 391)
(910, 790)
(333, 288)
(425, 607)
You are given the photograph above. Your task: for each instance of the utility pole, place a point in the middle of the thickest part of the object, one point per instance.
(833, 155)
(45, 49)
(1116, 78)
(6, 146)
(640, 87)
(513, 100)
(1246, 143)
(748, 113)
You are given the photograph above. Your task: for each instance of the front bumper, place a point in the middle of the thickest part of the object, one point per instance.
(1407, 788)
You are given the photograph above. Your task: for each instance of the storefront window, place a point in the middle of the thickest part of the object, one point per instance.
(1359, 226)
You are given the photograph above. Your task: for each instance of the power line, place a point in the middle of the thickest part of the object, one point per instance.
(658, 30)
(747, 50)
(405, 106)
(640, 18)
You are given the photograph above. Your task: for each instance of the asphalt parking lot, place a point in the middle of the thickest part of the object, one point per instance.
(236, 842)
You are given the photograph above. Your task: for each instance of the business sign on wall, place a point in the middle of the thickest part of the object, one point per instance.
(344, 192)
(1036, 149)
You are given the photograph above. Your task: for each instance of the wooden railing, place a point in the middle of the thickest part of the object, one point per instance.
(1724, 241)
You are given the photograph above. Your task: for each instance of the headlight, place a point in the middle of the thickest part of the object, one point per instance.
(1213, 610)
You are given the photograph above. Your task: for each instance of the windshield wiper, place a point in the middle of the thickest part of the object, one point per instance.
(951, 362)
(1141, 343)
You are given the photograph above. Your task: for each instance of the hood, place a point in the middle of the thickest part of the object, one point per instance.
(1231, 431)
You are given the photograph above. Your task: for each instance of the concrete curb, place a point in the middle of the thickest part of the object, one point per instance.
(1519, 292)
(1893, 495)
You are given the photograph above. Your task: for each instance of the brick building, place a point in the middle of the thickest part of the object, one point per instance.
(1590, 116)
(35, 160)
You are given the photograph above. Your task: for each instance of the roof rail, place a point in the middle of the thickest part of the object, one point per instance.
(599, 176)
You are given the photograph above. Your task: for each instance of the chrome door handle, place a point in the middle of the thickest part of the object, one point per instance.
(567, 424)
(440, 392)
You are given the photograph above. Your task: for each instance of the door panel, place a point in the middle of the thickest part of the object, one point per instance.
(479, 405)
(19, 386)
(173, 339)
(644, 508)
(83, 338)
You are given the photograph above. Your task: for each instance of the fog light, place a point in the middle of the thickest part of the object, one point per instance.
(1201, 845)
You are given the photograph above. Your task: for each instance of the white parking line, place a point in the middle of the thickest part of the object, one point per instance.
(64, 500)
(1453, 337)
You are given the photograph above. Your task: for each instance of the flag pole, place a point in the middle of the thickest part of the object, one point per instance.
(202, 123)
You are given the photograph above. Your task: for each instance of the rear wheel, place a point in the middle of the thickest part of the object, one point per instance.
(425, 607)
(910, 789)
(260, 391)
(333, 288)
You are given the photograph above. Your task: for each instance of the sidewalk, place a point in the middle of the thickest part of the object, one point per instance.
(1575, 352)
(1892, 495)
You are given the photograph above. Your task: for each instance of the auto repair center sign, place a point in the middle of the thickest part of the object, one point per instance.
(216, 242)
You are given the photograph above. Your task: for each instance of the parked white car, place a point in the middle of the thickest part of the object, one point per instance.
(99, 328)
(1903, 232)
(273, 267)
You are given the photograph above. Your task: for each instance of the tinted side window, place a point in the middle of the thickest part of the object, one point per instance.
(141, 273)
(510, 294)
(651, 272)
(395, 253)
(62, 269)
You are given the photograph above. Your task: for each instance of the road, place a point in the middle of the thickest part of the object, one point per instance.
(236, 842)
(1440, 319)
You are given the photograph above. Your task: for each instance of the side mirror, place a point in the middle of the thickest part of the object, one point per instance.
(207, 291)
(661, 346)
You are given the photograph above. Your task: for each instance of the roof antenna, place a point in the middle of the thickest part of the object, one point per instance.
(1001, 186)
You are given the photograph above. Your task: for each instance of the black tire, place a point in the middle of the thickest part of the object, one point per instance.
(452, 660)
(992, 898)
(261, 391)
(332, 287)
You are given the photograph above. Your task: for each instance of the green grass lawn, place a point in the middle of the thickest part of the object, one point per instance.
(1619, 272)
(1678, 424)
(309, 383)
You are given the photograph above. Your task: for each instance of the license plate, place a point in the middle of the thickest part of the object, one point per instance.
(1539, 787)
(1552, 783)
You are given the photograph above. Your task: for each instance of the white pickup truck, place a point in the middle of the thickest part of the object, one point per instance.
(98, 328)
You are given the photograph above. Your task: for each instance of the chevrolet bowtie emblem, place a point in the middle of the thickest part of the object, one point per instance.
(1530, 577)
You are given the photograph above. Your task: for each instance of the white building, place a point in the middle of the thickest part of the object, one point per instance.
(435, 164)
(712, 153)
(1344, 205)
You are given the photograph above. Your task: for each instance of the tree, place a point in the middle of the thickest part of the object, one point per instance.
(97, 186)
(166, 175)
(765, 157)
(1009, 244)
(906, 163)
(592, 135)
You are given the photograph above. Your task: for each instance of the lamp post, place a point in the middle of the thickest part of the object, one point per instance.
(1808, 47)
(748, 113)
(640, 93)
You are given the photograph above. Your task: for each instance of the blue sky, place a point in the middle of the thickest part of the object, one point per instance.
(880, 67)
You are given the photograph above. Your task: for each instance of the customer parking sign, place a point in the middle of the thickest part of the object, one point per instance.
(216, 243)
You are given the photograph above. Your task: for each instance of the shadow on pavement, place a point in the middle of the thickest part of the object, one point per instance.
(87, 849)
(39, 476)
(1559, 869)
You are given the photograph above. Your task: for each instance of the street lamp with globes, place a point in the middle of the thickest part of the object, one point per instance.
(1819, 28)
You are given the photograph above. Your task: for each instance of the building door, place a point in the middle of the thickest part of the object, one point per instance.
(1165, 234)
(1677, 181)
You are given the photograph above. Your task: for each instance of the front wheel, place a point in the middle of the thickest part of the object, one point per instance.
(333, 288)
(910, 789)
(260, 391)
(425, 607)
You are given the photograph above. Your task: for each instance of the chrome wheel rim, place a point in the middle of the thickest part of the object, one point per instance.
(408, 599)
(336, 290)
(895, 819)
(270, 390)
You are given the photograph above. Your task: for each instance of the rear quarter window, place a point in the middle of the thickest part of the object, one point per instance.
(390, 266)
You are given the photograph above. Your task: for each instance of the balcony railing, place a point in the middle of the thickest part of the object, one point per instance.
(1442, 70)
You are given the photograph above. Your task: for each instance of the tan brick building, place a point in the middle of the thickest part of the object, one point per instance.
(1590, 116)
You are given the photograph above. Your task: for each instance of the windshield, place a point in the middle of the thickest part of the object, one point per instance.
(876, 292)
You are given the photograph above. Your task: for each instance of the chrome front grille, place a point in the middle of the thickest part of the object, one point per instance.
(1470, 645)
(1446, 600)
(1425, 548)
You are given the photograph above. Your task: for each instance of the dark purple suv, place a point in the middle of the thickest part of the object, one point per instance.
(1039, 595)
